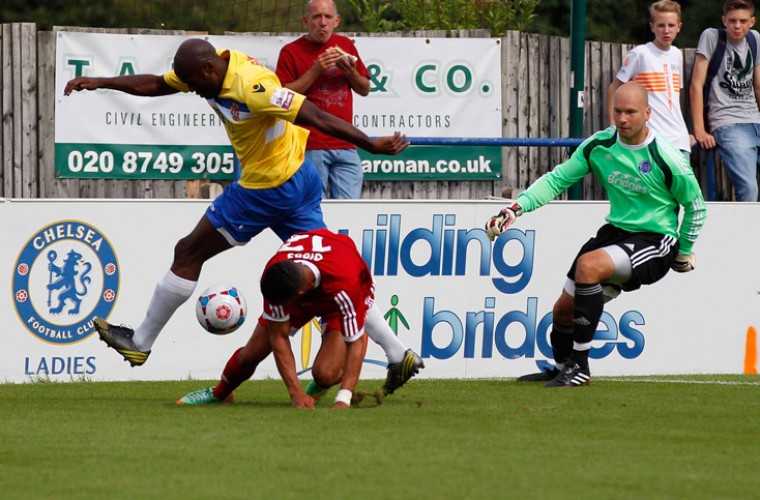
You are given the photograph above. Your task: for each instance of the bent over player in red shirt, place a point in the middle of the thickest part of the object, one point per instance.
(314, 273)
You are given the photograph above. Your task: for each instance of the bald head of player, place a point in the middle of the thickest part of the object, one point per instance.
(199, 66)
(630, 108)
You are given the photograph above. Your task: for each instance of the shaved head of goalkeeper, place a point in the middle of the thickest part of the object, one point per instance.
(630, 111)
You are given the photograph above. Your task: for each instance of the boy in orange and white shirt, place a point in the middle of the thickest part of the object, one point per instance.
(658, 65)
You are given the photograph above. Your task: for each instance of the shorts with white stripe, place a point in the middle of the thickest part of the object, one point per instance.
(651, 253)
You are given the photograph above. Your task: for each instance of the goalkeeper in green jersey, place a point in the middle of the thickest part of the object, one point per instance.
(646, 179)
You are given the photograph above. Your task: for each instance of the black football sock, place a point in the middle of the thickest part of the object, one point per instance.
(589, 305)
(562, 343)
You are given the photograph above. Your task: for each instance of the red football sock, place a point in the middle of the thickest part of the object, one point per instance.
(233, 375)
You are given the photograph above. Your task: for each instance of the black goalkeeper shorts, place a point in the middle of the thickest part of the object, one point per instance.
(651, 253)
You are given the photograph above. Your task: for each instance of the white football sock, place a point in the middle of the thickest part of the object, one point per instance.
(381, 334)
(170, 293)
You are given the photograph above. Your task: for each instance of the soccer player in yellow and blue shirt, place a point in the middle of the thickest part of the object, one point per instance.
(278, 188)
(647, 180)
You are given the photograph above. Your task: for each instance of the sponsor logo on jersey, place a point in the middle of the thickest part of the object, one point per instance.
(65, 275)
(254, 61)
(282, 98)
(627, 182)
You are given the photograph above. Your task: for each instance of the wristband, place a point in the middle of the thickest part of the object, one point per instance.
(517, 209)
(344, 396)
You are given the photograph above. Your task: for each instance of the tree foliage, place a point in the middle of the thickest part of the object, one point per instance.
(48, 13)
(606, 20)
(213, 16)
(410, 15)
(624, 21)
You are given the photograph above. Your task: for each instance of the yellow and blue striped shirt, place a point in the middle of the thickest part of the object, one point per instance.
(257, 113)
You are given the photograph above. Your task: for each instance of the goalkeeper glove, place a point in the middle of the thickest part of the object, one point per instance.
(501, 221)
(684, 263)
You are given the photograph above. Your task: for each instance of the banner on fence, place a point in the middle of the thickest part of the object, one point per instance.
(422, 87)
(462, 163)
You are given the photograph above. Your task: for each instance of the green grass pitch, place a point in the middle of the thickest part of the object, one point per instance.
(664, 437)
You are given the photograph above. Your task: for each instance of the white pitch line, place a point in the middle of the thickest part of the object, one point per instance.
(676, 381)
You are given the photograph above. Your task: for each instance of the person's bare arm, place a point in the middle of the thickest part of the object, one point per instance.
(140, 85)
(354, 358)
(683, 98)
(698, 76)
(324, 61)
(312, 116)
(358, 82)
(333, 56)
(756, 84)
(279, 337)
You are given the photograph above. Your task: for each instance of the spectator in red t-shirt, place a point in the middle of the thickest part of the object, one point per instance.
(326, 67)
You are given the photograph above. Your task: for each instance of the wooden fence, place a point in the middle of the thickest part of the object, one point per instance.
(535, 94)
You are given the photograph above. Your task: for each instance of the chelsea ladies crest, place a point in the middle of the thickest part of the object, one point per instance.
(66, 275)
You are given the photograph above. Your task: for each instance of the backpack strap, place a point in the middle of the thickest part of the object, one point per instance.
(716, 60)
(752, 41)
(713, 66)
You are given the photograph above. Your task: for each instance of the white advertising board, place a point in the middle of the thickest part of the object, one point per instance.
(423, 87)
(471, 308)
(454, 85)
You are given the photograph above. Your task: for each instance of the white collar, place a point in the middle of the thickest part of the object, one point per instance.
(314, 269)
(646, 142)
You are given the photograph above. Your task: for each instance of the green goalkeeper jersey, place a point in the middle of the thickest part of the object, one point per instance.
(645, 184)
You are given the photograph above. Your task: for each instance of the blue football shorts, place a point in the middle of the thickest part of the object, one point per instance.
(240, 213)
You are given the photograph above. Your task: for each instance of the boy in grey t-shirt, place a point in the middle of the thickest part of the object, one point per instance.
(732, 107)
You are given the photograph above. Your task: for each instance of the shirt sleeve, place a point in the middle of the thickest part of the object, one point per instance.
(279, 314)
(630, 67)
(352, 314)
(173, 81)
(687, 193)
(268, 97)
(757, 43)
(707, 41)
(286, 66)
(552, 184)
